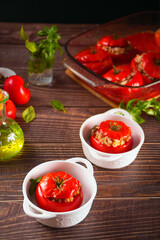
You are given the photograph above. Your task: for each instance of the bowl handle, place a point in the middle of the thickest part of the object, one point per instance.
(28, 210)
(88, 165)
(106, 158)
(119, 111)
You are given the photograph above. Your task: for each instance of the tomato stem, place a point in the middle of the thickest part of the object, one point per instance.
(115, 127)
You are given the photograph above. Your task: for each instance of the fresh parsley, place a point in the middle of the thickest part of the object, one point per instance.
(137, 107)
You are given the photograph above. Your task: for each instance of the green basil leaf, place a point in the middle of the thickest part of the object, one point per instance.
(33, 185)
(23, 35)
(29, 114)
(57, 105)
(130, 104)
(31, 46)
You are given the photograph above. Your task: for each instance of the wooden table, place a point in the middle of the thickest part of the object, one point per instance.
(127, 205)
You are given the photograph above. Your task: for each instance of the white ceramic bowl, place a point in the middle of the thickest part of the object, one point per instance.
(6, 72)
(107, 160)
(73, 166)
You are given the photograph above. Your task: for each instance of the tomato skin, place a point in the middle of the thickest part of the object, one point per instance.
(114, 130)
(59, 186)
(157, 37)
(112, 41)
(48, 205)
(10, 109)
(16, 89)
(149, 64)
(110, 149)
(91, 55)
(100, 67)
(116, 75)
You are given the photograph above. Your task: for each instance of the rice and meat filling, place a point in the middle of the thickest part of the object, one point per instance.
(60, 200)
(108, 141)
(138, 60)
(116, 50)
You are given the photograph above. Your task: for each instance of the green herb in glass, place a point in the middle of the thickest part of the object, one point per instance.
(42, 54)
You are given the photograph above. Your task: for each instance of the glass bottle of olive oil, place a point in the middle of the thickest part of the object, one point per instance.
(11, 135)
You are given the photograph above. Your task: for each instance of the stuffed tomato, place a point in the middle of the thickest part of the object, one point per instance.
(59, 192)
(111, 137)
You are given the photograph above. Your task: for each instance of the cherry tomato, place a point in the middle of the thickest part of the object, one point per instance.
(10, 109)
(114, 130)
(17, 90)
(59, 192)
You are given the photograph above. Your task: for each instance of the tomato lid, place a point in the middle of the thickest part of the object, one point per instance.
(114, 129)
(58, 185)
(113, 41)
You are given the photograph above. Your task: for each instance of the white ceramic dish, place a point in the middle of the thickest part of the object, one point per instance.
(107, 160)
(6, 72)
(74, 167)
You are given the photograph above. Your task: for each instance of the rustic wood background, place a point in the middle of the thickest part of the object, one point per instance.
(127, 205)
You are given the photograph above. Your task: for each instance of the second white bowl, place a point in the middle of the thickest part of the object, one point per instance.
(107, 160)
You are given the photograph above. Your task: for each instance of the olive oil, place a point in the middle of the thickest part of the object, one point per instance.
(11, 134)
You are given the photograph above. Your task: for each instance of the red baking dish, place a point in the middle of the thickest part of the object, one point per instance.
(123, 27)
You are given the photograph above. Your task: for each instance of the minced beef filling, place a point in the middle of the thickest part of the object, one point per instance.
(108, 141)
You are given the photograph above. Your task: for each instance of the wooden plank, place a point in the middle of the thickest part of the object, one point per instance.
(108, 219)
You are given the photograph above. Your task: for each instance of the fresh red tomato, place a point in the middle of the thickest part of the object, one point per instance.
(18, 92)
(59, 192)
(112, 137)
(10, 109)
(93, 54)
(100, 67)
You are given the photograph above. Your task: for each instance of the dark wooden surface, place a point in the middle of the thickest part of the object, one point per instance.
(127, 205)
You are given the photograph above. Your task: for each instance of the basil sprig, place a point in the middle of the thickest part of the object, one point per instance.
(44, 50)
(136, 108)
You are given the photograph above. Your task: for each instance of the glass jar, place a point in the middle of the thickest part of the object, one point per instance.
(11, 135)
(39, 73)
